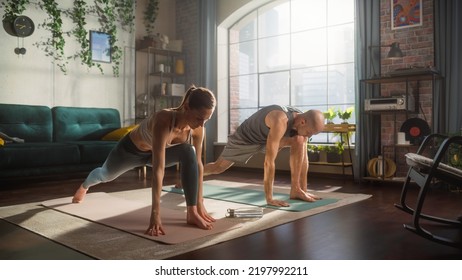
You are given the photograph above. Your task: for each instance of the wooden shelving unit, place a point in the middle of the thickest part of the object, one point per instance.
(342, 129)
(152, 84)
(368, 88)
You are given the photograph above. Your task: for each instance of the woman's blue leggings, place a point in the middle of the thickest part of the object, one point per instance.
(126, 156)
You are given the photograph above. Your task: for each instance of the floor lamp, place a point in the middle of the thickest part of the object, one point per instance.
(394, 52)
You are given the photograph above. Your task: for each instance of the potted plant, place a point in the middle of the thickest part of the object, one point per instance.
(455, 154)
(149, 18)
(313, 152)
(345, 115)
(329, 115)
(334, 153)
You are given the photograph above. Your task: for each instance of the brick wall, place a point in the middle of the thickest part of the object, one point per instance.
(417, 44)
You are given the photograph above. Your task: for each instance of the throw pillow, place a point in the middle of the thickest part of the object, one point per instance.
(117, 134)
(10, 139)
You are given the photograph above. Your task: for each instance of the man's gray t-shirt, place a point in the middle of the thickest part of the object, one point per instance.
(250, 137)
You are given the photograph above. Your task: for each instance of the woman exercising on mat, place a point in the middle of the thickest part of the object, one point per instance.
(163, 140)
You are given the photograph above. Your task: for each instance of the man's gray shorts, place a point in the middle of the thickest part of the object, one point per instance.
(238, 150)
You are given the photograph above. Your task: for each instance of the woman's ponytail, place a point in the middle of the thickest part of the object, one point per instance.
(198, 98)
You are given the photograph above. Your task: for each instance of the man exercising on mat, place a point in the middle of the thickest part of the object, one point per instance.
(267, 131)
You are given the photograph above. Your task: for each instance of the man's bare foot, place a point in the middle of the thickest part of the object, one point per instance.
(302, 195)
(79, 195)
(277, 203)
(193, 218)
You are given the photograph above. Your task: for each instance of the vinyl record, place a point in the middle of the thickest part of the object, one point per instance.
(416, 129)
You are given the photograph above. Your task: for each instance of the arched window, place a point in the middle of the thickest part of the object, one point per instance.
(292, 52)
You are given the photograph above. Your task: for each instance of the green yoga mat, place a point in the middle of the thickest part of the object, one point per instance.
(255, 198)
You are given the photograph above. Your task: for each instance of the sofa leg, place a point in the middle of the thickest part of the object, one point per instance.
(142, 172)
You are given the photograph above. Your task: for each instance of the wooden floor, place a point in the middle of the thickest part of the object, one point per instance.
(371, 229)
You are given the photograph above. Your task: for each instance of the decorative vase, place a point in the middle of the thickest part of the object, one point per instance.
(179, 67)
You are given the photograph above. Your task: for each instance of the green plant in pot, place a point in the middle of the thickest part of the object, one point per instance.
(329, 115)
(313, 152)
(149, 17)
(346, 114)
(455, 153)
(334, 153)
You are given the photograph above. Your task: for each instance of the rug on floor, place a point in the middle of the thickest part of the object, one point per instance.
(133, 217)
(104, 242)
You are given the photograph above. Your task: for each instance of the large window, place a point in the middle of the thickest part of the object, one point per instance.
(292, 52)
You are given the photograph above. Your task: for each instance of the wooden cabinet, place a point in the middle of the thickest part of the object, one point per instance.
(160, 80)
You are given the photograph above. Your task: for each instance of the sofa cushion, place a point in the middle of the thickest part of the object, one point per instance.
(94, 151)
(29, 122)
(38, 154)
(79, 124)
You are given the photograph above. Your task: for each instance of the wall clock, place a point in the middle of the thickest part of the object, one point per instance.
(8, 27)
(19, 26)
(23, 26)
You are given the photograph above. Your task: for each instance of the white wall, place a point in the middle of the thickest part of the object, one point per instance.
(33, 79)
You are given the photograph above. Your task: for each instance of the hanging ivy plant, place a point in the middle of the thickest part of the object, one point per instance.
(78, 14)
(53, 46)
(13, 8)
(108, 19)
(126, 15)
(150, 15)
(109, 13)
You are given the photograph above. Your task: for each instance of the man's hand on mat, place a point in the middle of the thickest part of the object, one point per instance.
(278, 203)
(155, 226)
(193, 218)
(296, 193)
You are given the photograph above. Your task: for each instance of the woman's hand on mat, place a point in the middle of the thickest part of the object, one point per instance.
(278, 203)
(155, 226)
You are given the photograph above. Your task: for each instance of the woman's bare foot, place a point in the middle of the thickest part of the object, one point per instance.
(302, 195)
(178, 185)
(79, 195)
(193, 218)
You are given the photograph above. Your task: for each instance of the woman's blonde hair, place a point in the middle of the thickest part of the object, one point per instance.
(198, 98)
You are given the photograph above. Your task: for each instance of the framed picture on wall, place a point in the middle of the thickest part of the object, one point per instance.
(406, 13)
(100, 46)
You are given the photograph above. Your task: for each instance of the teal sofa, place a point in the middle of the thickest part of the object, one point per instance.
(57, 140)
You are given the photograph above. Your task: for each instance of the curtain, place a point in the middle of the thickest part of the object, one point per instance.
(448, 60)
(367, 63)
(207, 64)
